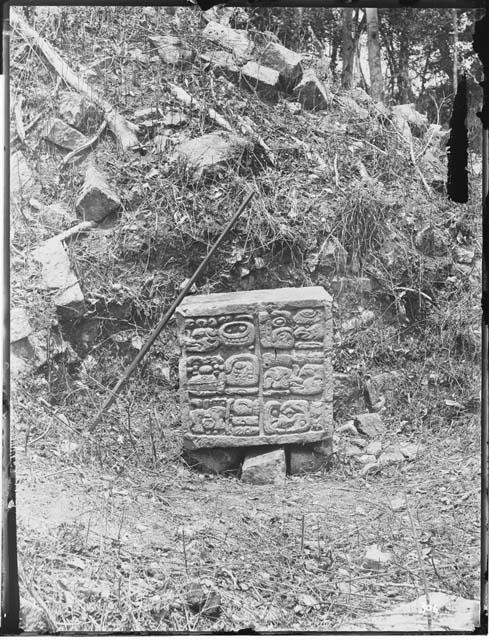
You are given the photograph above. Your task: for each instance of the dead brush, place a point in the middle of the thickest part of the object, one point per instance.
(361, 221)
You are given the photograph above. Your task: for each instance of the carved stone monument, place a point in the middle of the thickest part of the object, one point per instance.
(255, 367)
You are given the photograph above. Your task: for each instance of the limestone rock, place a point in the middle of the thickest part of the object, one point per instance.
(391, 455)
(20, 326)
(409, 450)
(172, 50)
(308, 458)
(402, 126)
(341, 285)
(375, 559)
(366, 459)
(23, 181)
(261, 79)
(380, 384)
(235, 40)
(96, 199)
(222, 63)
(369, 424)
(264, 468)
(448, 613)
(209, 153)
(233, 345)
(75, 109)
(216, 460)
(55, 263)
(70, 302)
(431, 242)
(287, 62)
(408, 113)
(332, 255)
(348, 428)
(370, 468)
(353, 452)
(61, 134)
(374, 448)
(312, 93)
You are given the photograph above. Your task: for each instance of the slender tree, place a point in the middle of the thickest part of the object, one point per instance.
(348, 49)
(374, 63)
(455, 44)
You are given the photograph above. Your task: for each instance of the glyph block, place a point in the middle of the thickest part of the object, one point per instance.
(255, 367)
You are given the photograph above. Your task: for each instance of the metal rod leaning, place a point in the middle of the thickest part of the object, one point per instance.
(164, 320)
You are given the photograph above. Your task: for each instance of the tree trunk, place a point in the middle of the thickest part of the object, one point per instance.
(348, 49)
(374, 64)
(455, 55)
(403, 81)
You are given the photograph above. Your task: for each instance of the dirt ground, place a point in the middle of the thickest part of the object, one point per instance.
(117, 553)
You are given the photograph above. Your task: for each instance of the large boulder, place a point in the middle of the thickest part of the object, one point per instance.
(96, 200)
(414, 118)
(261, 79)
(222, 63)
(264, 468)
(287, 62)
(312, 93)
(210, 153)
(235, 40)
(172, 50)
(62, 135)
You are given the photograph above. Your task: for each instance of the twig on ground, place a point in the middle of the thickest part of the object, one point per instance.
(19, 125)
(86, 145)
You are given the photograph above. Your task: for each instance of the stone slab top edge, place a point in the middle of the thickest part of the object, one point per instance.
(290, 296)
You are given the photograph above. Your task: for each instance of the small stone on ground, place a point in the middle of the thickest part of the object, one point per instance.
(264, 468)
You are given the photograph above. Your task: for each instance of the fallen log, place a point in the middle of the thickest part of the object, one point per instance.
(123, 130)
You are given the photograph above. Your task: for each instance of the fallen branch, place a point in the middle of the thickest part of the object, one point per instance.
(81, 227)
(182, 96)
(86, 145)
(123, 130)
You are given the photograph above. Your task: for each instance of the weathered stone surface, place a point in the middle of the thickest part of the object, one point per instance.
(96, 199)
(256, 368)
(287, 62)
(22, 178)
(462, 255)
(307, 458)
(20, 326)
(381, 384)
(55, 216)
(55, 263)
(264, 468)
(216, 460)
(342, 285)
(70, 302)
(261, 79)
(172, 50)
(449, 613)
(33, 349)
(375, 559)
(374, 448)
(409, 450)
(312, 93)
(348, 428)
(61, 134)
(391, 455)
(223, 63)
(211, 152)
(409, 114)
(235, 40)
(360, 96)
(332, 255)
(75, 109)
(366, 459)
(370, 424)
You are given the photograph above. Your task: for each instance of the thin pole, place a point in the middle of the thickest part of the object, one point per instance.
(10, 578)
(484, 380)
(164, 320)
